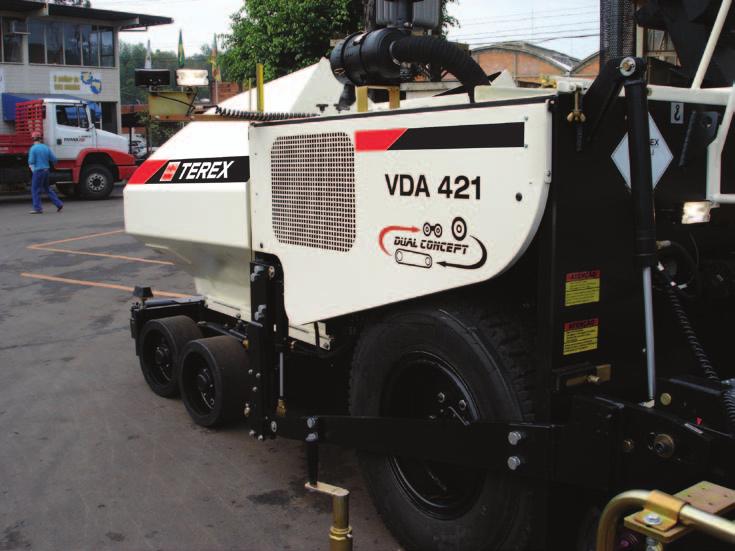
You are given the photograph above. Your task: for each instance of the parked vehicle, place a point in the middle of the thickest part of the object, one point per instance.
(514, 303)
(90, 160)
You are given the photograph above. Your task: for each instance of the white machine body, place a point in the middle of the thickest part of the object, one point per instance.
(367, 210)
(361, 210)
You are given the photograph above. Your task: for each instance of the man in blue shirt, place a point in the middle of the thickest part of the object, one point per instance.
(40, 159)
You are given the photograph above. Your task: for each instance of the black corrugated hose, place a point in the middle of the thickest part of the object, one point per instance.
(728, 397)
(257, 116)
(427, 49)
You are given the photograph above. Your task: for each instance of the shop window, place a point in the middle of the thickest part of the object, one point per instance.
(37, 42)
(107, 47)
(72, 44)
(12, 43)
(54, 44)
(88, 56)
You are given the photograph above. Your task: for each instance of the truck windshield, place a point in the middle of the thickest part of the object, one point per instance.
(72, 115)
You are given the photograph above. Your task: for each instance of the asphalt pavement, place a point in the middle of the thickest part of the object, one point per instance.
(89, 457)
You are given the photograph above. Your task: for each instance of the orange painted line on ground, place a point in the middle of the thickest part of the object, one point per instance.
(105, 255)
(49, 248)
(98, 284)
(80, 238)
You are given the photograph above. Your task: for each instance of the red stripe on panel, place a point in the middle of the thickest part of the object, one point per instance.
(377, 140)
(146, 171)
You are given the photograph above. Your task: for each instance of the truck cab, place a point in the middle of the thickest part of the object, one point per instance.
(90, 160)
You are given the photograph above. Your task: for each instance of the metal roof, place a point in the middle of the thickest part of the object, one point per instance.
(125, 20)
(563, 61)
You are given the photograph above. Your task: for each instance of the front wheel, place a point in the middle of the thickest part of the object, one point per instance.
(96, 182)
(445, 362)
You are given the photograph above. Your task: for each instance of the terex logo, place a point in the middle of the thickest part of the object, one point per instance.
(170, 172)
(207, 170)
(186, 171)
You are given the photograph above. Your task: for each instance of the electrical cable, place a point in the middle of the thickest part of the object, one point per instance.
(728, 396)
(257, 116)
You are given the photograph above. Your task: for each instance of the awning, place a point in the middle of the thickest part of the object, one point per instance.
(10, 100)
(123, 20)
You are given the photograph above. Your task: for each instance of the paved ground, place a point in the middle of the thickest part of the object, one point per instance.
(89, 457)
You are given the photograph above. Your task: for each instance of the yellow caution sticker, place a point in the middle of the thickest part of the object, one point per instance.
(582, 288)
(581, 336)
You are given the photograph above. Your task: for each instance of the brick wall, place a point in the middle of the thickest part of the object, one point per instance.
(523, 66)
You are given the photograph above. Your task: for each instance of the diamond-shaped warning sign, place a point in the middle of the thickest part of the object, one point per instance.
(661, 155)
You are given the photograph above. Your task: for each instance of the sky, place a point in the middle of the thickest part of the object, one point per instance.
(570, 26)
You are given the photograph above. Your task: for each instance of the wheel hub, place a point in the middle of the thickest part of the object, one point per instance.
(96, 182)
(205, 386)
(424, 386)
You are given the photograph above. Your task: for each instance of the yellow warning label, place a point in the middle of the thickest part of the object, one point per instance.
(580, 336)
(582, 288)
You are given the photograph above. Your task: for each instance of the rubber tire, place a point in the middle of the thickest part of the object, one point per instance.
(178, 331)
(103, 172)
(490, 354)
(228, 361)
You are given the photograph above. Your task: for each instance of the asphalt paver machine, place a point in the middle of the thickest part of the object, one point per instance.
(514, 303)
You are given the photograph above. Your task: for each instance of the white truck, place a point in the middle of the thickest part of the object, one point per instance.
(90, 160)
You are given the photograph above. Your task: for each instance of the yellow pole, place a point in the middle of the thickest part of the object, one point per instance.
(261, 89)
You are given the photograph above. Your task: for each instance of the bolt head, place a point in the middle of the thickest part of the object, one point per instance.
(261, 437)
(441, 397)
(666, 399)
(628, 445)
(515, 437)
(255, 389)
(311, 422)
(257, 375)
(271, 272)
(246, 411)
(274, 426)
(652, 519)
(514, 462)
(250, 371)
(462, 405)
(252, 433)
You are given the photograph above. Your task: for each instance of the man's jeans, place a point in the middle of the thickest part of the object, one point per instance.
(39, 184)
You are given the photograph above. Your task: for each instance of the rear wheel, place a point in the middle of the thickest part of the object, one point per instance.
(445, 362)
(96, 182)
(212, 380)
(161, 343)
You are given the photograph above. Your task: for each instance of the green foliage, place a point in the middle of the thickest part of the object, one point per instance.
(132, 56)
(286, 35)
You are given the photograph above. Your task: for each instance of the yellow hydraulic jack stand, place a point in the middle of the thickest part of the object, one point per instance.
(340, 534)
(665, 518)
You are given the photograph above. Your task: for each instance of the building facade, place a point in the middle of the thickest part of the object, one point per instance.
(532, 65)
(529, 64)
(51, 50)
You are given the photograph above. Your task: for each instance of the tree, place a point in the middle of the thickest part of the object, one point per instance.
(287, 35)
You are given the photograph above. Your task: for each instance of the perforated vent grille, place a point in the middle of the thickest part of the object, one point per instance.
(313, 187)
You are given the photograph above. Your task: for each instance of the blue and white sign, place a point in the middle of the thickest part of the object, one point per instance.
(80, 82)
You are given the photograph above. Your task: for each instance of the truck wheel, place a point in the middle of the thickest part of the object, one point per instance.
(212, 380)
(445, 362)
(96, 182)
(161, 342)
